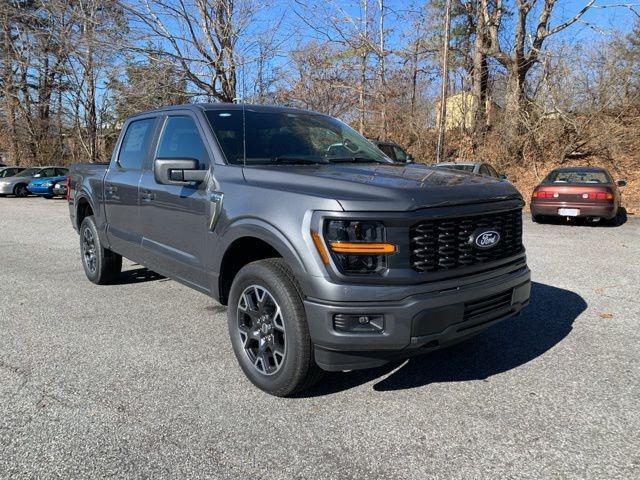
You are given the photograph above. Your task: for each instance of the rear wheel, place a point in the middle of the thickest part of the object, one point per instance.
(100, 264)
(20, 190)
(268, 329)
(537, 218)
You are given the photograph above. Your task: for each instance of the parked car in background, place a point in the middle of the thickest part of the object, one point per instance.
(326, 260)
(476, 168)
(587, 192)
(392, 150)
(17, 184)
(9, 171)
(43, 186)
(60, 188)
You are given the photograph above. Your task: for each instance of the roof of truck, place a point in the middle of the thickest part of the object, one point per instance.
(227, 106)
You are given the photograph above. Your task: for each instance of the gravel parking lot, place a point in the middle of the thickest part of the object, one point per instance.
(139, 380)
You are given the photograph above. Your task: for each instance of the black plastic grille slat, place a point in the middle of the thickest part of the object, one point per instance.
(443, 244)
(488, 305)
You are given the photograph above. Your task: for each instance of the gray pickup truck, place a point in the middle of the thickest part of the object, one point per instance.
(328, 254)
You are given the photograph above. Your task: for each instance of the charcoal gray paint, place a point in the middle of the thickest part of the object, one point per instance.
(167, 227)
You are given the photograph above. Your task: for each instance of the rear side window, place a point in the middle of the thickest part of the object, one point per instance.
(484, 170)
(181, 139)
(61, 171)
(135, 143)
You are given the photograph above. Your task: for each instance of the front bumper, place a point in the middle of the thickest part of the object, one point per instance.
(37, 190)
(417, 323)
(6, 189)
(550, 209)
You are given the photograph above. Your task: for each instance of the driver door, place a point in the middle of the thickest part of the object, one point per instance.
(175, 218)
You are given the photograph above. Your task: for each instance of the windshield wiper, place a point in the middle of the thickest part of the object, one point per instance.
(293, 159)
(354, 160)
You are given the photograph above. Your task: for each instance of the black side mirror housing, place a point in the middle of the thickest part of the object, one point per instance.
(178, 171)
(409, 159)
(622, 183)
(503, 176)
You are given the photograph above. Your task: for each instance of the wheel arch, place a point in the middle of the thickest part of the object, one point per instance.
(246, 243)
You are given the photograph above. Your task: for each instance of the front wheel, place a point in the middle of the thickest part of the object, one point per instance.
(101, 265)
(268, 329)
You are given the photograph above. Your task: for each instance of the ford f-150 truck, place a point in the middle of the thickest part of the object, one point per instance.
(328, 255)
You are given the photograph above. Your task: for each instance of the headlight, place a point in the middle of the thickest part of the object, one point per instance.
(357, 247)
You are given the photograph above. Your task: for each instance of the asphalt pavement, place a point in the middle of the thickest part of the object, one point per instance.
(138, 379)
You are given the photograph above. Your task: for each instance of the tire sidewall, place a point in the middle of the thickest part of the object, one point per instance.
(20, 190)
(293, 318)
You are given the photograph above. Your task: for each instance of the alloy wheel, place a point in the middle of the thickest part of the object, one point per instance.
(261, 329)
(89, 250)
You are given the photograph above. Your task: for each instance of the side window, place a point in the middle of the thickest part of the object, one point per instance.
(61, 171)
(493, 172)
(181, 139)
(135, 143)
(48, 172)
(484, 170)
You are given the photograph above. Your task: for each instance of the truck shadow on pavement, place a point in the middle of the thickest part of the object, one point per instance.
(136, 275)
(544, 323)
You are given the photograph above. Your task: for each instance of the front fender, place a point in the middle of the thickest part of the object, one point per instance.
(269, 233)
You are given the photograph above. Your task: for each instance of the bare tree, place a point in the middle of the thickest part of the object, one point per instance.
(523, 49)
(201, 36)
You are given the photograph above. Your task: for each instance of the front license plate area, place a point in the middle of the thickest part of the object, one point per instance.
(569, 212)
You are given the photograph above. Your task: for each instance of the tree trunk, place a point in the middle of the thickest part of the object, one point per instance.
(480, 82)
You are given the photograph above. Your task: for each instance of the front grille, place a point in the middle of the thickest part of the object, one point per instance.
(487, 305)
(443, 244)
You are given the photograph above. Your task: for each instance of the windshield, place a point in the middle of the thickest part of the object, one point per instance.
(29, 172)
(577, 176)
(285, 137)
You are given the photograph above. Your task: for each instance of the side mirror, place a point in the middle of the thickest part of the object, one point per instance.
(178, 171)
(409, 159)
(503, 176)
(622, 183)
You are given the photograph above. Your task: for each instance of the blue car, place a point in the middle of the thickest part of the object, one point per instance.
(43, 186)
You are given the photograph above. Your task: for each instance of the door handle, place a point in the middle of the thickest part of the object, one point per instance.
(147, 196)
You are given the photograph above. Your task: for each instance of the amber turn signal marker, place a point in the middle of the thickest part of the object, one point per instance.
(317, 241)
(367, 248)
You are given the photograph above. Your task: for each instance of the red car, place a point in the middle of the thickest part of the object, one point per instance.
(586, 192)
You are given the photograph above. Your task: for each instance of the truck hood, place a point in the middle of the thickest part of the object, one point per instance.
(382, 187)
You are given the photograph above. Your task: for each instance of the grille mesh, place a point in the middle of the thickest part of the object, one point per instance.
(443, 244)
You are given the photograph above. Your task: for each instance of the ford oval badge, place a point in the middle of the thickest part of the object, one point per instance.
(484, 239)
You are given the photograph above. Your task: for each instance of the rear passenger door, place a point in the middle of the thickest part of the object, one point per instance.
(121, 186)
(175, 217)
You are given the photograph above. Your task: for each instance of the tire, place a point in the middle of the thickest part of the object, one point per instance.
(48, 197)
(20, 190)
(274, 350)
(537, 218)
(101, 265)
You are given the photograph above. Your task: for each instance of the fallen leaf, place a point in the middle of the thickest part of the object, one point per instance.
(606, 315)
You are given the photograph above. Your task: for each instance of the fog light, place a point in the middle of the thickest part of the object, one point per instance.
(343, 322)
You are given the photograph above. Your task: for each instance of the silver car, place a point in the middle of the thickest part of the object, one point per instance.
(17, 184)
(9, 171)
